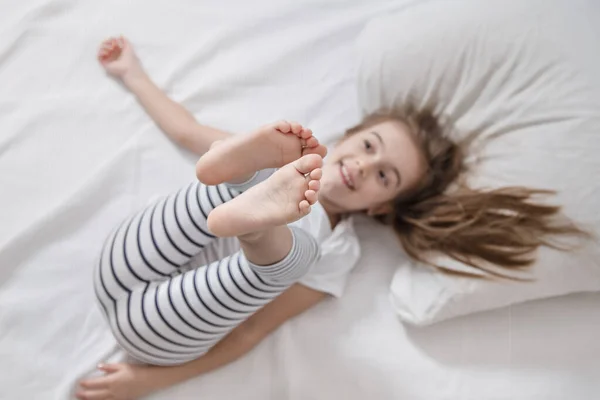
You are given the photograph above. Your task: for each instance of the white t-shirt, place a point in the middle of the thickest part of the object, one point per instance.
(340, 251)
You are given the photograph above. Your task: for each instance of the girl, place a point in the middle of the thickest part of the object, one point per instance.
(169, 306)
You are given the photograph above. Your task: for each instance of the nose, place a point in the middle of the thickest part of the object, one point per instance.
(365, 165)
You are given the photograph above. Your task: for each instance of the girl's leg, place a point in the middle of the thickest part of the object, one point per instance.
(153, 244)
(180, 318)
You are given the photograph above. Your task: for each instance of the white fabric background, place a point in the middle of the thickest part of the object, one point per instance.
(77, 154)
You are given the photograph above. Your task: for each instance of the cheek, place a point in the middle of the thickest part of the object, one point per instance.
(375, 193)
(342, 150)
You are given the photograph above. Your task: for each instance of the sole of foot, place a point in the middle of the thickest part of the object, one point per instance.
(280, 200)
(271, 146)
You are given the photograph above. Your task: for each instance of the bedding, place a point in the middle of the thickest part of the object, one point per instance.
(77, 155)
(519, 80)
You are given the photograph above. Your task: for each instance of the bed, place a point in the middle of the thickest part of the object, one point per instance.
(77, 154)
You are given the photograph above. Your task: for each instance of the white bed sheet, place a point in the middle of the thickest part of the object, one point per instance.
(77, 154)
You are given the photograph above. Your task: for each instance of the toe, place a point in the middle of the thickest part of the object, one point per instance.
(311, 141)
(304, 207)
(313, 147)
(311, 196)
(316, 174)
(296, 128)
(283, 126)
(308, 163)
(314, 185)
(321, 150)
(306, 133)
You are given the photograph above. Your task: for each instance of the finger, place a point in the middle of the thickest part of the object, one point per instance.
(316, 174)
(103, 53)
(314, 185)
(104, 59)
(283, 126)
(296, 128)
(94, 395)
(109, 368)
(106, 42)
(114, 55)
(95, 383)
(109, 44)
(311, 196)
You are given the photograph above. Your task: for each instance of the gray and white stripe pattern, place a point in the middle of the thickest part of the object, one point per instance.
(164, 316)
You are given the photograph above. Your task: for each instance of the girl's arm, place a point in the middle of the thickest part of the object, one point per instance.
(119, 59)
(125, 381)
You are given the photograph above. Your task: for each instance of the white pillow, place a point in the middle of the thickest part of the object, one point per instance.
(524, 78)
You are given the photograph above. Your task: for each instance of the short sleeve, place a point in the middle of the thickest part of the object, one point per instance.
(339, 255)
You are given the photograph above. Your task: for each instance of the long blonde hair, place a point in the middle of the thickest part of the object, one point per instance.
(503, 227)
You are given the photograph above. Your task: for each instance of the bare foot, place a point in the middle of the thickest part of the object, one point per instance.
(282, 199)
(270, 146)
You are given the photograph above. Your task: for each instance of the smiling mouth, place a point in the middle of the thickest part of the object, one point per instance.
(346, 178)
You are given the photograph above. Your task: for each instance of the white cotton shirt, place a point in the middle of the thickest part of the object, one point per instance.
(340, 251)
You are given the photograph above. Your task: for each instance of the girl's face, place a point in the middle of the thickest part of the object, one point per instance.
(369, 168)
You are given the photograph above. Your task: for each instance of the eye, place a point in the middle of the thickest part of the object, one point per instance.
(383, 177)
(368, 145)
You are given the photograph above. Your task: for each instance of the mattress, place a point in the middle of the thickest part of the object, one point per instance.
(78, 154)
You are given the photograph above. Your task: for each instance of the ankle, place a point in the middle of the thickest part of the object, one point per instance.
(268, 246)
(271, 234)
(253, 237)
(242, 180)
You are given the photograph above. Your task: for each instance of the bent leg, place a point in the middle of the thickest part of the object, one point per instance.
(180, 319)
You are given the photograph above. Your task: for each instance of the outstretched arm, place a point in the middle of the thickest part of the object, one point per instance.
(118, 57)
(127, 382)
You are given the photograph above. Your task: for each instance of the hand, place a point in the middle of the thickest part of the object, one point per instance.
(118, 58)
(121, 382)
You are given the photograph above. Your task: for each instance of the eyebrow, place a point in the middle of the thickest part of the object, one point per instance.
(379, 137)
(398, 178)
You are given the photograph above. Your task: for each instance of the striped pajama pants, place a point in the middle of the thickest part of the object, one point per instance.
(163, 315)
